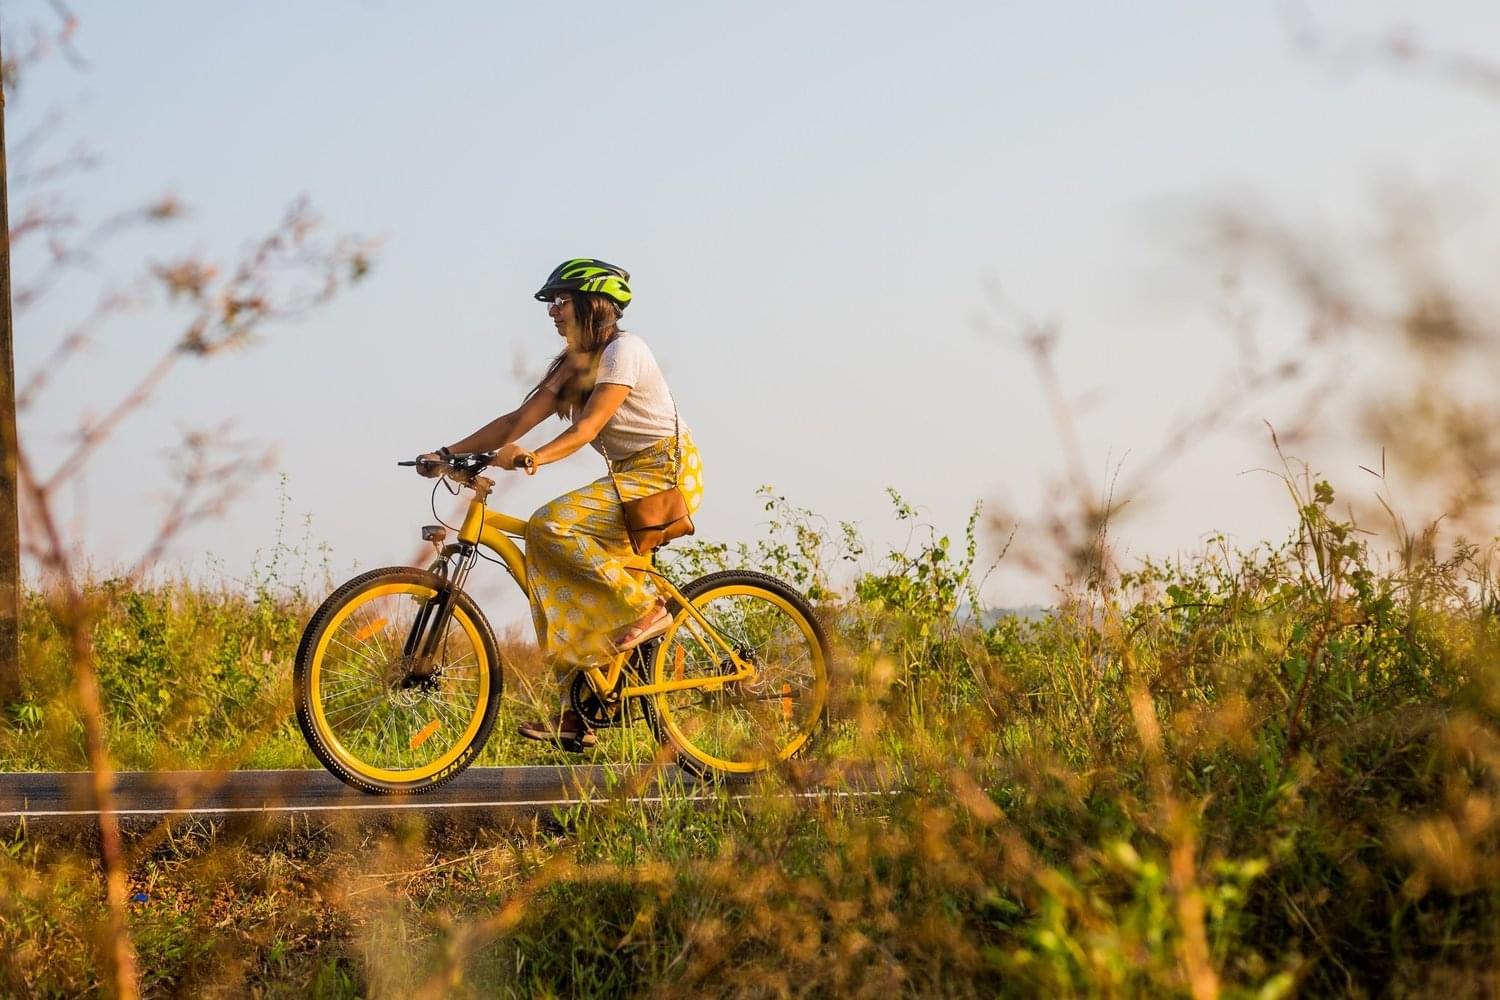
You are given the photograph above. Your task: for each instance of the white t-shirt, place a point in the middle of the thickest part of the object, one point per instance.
(646, 415)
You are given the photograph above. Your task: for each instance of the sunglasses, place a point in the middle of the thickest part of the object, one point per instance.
(557, 301)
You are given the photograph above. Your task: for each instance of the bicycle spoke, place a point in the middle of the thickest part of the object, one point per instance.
(744, 721)
(356, 677)
(350, 711)
(452, 715)
(368, 709)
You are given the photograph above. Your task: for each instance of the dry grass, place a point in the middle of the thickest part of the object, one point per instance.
(1257, 772)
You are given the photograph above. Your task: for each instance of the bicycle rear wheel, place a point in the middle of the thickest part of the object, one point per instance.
(743, 726)
(374, 714)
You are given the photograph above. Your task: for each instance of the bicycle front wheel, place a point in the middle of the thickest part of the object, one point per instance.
(741, 727)
(378, 716)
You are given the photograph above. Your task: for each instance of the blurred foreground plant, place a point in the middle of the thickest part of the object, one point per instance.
(290, 269)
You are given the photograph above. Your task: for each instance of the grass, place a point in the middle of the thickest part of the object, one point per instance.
(1253, 773)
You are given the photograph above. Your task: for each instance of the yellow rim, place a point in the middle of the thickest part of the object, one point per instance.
(668, 665)
(316, 676)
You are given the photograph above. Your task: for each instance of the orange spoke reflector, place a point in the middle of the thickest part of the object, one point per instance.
(369, 630)
(679, 670)
(786, 702)
(425, 733)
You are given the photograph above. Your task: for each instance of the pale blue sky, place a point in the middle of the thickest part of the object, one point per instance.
(811, 198)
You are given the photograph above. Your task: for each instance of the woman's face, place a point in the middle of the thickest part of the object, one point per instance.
(563, 317)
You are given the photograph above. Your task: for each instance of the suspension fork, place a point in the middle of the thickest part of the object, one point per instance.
(432, 620)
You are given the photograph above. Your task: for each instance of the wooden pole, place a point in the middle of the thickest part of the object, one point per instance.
(10, 528)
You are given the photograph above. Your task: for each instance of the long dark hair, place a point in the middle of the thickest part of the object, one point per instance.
(598, 320)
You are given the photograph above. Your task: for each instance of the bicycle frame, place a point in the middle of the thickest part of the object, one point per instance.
(498, 533)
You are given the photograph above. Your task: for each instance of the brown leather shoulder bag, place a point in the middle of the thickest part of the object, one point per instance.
(654, 520)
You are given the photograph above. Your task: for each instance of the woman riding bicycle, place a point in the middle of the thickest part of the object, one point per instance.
(606, 383)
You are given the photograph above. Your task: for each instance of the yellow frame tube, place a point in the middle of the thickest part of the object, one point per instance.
(706, 683)
(603, 682)
(494, 531)
(497, 531)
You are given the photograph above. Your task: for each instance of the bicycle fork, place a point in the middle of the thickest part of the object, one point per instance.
(431, 625)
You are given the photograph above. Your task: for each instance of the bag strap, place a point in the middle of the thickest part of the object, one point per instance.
(676, 433)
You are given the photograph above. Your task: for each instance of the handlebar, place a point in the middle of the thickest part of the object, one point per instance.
(466, 465)
(460, 466)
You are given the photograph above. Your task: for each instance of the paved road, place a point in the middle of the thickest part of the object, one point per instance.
(498, 791)
(156, 793)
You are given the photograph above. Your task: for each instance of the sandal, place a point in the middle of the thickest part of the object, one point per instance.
(642, 631)
(567, 730)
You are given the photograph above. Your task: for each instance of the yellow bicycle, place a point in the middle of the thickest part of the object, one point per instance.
(398, 676)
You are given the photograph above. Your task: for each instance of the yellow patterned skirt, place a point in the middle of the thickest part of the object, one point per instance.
(575, 551)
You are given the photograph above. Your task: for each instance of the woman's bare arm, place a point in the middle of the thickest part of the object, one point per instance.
(515, 424)
(603, 402)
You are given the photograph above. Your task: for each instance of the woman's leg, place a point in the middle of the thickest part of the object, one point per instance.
(580, 591)
(575, 547)
(653, 470)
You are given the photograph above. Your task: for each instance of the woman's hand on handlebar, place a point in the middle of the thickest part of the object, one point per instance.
(513, 456)
(459, 466)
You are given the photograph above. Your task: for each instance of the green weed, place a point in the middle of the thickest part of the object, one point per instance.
(1252, 772)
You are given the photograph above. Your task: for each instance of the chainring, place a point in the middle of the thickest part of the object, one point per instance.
(600, 713)
(595, 713)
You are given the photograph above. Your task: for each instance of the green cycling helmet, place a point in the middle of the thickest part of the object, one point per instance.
(585, 274)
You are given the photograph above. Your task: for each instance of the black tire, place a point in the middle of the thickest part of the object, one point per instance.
(780, 603)
(374, 668)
